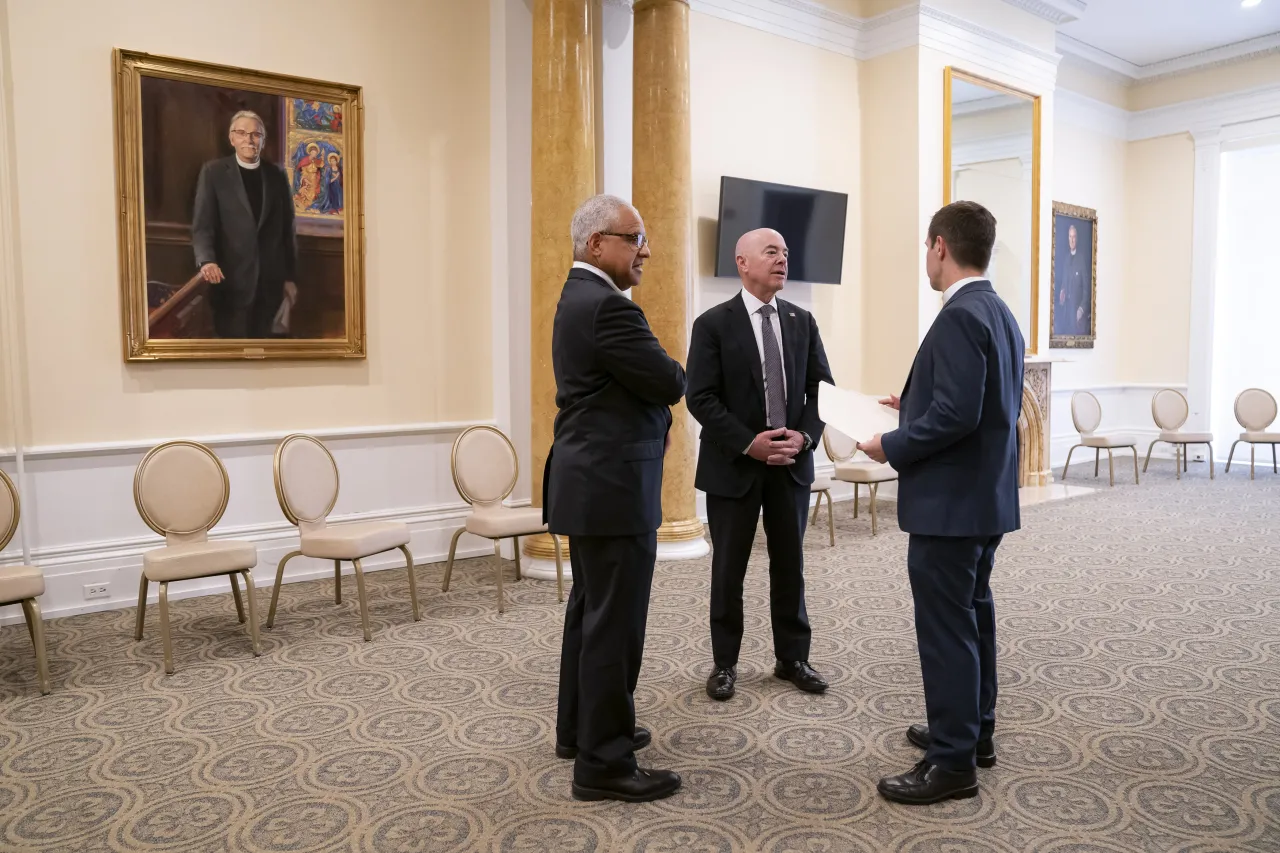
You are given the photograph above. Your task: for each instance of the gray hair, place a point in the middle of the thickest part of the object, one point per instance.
(248, 114)
(595, 215)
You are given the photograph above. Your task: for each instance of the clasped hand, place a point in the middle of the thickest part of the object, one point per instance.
(777, 446)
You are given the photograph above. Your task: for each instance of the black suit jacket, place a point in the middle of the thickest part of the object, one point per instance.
(726, 392)
(223, 231)
(956, 449)
(615, 385)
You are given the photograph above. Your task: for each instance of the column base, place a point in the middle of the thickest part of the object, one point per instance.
(681, 540)
(539, 557)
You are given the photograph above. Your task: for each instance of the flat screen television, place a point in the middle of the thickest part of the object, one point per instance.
(811, 221)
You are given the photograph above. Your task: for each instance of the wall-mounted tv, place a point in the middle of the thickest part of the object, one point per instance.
(811, 221)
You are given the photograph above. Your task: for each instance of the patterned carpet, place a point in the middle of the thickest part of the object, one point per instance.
(1139, 707)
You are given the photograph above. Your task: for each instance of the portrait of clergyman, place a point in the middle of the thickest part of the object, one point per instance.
(241, 189)
(1072, 320)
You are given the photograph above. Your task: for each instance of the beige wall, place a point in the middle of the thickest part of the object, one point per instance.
(768, 108)
(1264, 71)
(1157, 267)
(424, 68)
(1083, 81)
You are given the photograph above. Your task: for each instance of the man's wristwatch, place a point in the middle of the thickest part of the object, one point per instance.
(808, 442)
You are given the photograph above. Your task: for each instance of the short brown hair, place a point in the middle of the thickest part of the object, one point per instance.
(969, 230)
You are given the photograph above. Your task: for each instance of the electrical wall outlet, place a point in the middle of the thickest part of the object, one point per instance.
(96, 590)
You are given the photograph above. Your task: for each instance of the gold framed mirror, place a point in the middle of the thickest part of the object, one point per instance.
(991, 155)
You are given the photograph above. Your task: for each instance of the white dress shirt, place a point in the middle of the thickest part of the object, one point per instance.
(753, 309)
(955, 288)
(582, 265)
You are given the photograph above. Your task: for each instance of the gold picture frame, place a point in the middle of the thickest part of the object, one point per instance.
(1071, 296)
(172, 120)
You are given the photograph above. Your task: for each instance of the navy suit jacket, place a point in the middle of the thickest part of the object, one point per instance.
(615, 385)
(956, 446)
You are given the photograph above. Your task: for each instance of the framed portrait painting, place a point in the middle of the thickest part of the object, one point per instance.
(241, 219)
(1073, 322)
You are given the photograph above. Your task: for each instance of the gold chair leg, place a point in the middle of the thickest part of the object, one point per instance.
(1252, 447)
(1232, 455)
(1211, 475)
(1111, 462)
(1274, 468)
(1178, 451)
(275, 590)
(1135, 464)
(515, 542)
(164, 627)
(1067, 467)
(856, 495)
(337, 581)
(502, 606)
(1186, 457)
(448, 566)
(817, 505)
(235, 591)
(874, 488)
(142, 606)
(413, 583)
(559, 569)
(1150, 448)
(364, 601)
(253, 612)
(831, 520)
(35, 626)
(1097, 457)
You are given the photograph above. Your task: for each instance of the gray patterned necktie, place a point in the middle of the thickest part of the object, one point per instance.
(774, 383)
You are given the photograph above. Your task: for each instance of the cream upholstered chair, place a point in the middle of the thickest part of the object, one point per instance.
(1255, 411)
(181, 491)
(307, 487)
(841, 449)
(485, 470)
(822, 486)
(1086, 413)
(22, 584)
(1170, 410)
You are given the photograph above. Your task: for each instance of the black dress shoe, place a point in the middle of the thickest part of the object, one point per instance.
(720, 684)
(919, 735)
(639, 741)
(928, 783)
(799, 673)
(642, 786)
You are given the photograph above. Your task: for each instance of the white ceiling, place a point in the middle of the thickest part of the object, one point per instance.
(1145, 32)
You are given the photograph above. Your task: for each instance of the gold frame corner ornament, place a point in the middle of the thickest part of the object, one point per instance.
(1074, 341)
(949, 74)
(130, 67)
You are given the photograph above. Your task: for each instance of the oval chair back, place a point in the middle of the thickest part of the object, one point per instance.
(10, 510)
(485, 466)
(181, 490)
(839, 447)
(306, 478)
(1169, 409)
(1086, 412)
(1255, 410)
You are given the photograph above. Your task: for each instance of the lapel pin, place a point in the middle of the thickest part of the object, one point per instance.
(791, 313)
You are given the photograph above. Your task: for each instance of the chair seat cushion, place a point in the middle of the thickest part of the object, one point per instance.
(18, 583)
(821, 484)
(864, 472)
(1108, 441)
(1178, 437)
(1261, 437)
(501, 521)
(188, 560)
(354, 541)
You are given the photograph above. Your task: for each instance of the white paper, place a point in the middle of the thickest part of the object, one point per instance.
(858, 416)
(280, 325)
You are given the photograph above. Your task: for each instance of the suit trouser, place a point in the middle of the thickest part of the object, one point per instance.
(956, 633)
(254, 320)
(733, 521)
(601, 651)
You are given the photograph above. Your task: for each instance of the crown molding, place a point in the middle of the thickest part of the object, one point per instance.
(1114, 67)
(1014, 146)
(798, 20)
(1206, 114)
(1084, 112)
(986, 51)
(983, 105)
(1055, 12)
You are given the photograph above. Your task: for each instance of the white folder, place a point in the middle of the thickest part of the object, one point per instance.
(859, 416)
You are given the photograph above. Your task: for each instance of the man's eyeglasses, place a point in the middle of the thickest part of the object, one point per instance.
(255, 135)
(638, 240)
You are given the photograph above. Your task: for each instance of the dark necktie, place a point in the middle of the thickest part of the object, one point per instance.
(775, 396)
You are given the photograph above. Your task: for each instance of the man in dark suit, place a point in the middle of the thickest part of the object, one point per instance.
(615, 385)
(755, 362)
(956, 454)
(1073, 314)
(242, 232)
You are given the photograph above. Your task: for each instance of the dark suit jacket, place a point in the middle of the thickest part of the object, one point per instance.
(726, 392)
(1077, 270)
(956, 448)
(223, 231)
(615, 385)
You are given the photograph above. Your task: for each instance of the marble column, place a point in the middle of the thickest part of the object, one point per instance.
(564, 176)
(661, 191)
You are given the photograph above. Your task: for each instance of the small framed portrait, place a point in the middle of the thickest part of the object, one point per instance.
(241, 220)
(1073, 321)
